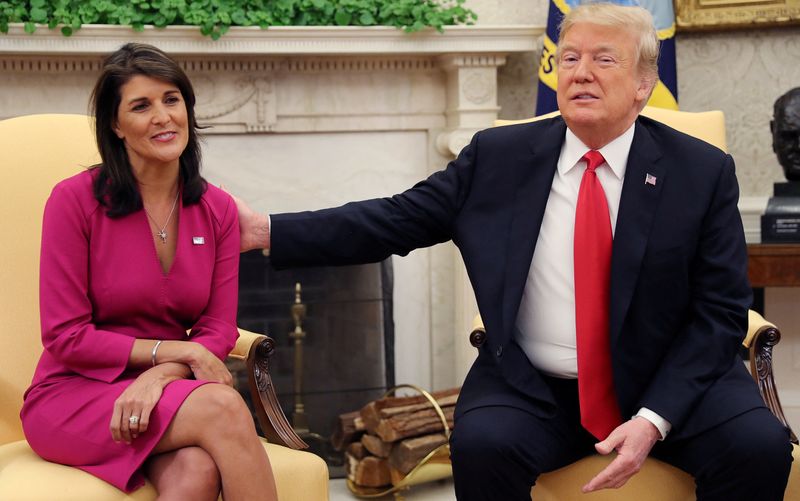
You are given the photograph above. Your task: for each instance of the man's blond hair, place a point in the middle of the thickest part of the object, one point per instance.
(635, 20)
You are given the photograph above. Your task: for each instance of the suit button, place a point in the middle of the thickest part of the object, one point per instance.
(499, 351)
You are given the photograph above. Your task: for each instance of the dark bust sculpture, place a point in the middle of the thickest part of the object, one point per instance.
(785, 127)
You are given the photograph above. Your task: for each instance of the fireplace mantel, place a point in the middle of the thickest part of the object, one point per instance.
(243, 64)
(304, 118)
(278, 40)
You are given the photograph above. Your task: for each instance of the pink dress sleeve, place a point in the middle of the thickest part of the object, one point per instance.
(68, 333)
(216, 327)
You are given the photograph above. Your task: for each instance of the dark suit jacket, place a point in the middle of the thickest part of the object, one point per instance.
(679, 289)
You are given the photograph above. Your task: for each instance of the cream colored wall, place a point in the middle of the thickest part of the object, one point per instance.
(741, 73)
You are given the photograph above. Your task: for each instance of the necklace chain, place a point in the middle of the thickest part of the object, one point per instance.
(162, 232)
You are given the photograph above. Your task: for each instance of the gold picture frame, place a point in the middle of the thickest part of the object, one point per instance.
(697, 15)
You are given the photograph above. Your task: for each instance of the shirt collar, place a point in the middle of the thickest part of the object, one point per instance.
(615, 153)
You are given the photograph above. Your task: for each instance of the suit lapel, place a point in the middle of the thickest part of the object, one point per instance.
(637, 207)
(534, 178)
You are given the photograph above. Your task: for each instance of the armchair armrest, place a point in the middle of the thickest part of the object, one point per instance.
(761, 337)
(478, 334)
(255, 350)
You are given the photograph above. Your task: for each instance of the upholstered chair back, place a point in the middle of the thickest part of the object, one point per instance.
(33, 158)
(706, 125)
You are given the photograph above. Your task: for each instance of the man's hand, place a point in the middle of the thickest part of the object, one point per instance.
(253, 227)
(633, 441)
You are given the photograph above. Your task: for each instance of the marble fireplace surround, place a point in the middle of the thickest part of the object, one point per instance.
(304, 118)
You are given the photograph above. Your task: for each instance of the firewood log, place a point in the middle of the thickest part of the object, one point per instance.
(375, 411)
(349, 428)
(376, 446)
(371, 472)
(370, 413)
(412, 424)
(406, 454)
(357, 450)
(386, 412)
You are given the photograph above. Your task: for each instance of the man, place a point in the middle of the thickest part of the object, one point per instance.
(649, 324)
(785, 127)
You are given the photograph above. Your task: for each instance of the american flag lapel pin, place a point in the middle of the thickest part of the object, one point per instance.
(650, 179)
(198, 240)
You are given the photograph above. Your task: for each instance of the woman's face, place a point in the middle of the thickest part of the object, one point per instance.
(152, 122)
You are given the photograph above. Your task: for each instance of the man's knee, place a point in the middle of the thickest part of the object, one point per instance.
(484, 463)
(748, 457)
(765, 450)
(472, 443)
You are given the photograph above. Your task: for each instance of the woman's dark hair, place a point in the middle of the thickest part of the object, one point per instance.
(115, 186)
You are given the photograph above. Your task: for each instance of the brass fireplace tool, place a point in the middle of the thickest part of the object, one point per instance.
(317, 442)
(299, 419)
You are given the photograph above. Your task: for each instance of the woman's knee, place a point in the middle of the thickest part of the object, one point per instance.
(221, 404)
(197, 463)
(186, 473)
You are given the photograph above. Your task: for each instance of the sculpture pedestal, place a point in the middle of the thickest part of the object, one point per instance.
(780, 222)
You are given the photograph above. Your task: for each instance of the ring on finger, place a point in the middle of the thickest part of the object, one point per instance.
(133, 420)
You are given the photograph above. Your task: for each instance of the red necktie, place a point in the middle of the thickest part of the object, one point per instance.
(598, 401)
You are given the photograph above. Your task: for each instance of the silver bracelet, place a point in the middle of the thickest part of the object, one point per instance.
(153, 353)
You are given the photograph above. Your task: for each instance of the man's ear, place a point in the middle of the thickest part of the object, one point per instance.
(647, 83)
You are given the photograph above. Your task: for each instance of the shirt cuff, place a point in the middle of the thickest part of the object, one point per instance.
(659, 422)
(269, 234)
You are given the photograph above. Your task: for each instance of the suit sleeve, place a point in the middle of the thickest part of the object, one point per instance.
(372, 230)
(720, 295)
(216, 327)
(68, 332)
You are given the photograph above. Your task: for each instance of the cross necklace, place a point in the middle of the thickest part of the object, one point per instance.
(162, 232)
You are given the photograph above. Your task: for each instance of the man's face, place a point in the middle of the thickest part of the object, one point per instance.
(786, 137)
(600, 88)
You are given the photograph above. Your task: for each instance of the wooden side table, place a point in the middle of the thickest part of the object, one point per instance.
(774, 265)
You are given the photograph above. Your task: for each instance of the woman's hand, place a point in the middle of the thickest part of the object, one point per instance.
(207, 367)
(132, 408)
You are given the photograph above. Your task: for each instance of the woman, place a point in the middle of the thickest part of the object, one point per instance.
(135, 252)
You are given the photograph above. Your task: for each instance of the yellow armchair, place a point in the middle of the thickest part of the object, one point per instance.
(36, 152)
(658, 481)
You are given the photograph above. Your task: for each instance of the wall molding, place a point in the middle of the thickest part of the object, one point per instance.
(278, 40)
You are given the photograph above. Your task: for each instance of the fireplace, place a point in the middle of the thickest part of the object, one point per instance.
(348, 347)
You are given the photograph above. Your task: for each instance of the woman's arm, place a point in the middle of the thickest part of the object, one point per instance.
(193, 356)
(68, 331)
(216, 328)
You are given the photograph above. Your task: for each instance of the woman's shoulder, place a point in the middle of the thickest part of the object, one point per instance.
(77, 188)
(219, 203)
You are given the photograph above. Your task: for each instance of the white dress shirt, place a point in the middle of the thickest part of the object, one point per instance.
(545, 326)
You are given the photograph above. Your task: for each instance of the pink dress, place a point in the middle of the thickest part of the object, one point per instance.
(101, 287)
